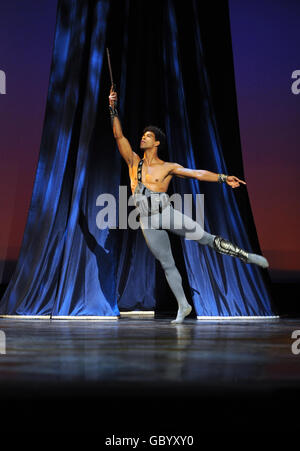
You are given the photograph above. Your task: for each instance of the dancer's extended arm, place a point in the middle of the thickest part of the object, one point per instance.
(205, 176)
(122, 142)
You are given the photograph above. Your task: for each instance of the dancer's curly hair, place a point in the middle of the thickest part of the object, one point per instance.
(158, 133)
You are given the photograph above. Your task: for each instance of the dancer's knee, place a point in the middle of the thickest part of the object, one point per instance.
(185, 226)
(167, 263)
(207, 239)
(170, 269)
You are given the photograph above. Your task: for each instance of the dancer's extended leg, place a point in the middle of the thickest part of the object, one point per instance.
(159, 244)
(180, 224)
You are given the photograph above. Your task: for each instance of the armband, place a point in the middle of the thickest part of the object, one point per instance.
(222, 178)
(113, 112)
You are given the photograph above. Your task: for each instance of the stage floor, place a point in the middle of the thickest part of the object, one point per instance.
(194, 355)
(139, 377)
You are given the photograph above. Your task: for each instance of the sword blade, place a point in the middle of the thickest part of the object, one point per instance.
(109, 67)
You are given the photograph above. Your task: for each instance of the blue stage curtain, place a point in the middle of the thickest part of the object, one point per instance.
(67, 265)
(221, 286)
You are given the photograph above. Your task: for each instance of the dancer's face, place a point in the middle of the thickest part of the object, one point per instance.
(148, 141)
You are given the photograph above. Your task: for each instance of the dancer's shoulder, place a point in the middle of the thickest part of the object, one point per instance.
(171, 165)
(178, 170)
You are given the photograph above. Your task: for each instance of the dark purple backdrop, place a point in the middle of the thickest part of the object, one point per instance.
(265, 36)
(265, 49)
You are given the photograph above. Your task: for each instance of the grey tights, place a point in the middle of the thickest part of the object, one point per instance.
(157, 239)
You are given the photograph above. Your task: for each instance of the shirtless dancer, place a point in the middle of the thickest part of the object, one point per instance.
(150, 178)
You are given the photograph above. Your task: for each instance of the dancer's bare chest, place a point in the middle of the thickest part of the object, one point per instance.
(155, 177)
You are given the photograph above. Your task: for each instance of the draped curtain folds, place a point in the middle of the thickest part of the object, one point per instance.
(220, 286)
(67, 265)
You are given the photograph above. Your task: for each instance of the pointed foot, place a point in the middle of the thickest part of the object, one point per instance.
(181, 314)
(258, 260)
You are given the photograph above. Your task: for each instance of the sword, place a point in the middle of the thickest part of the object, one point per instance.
(110, 71)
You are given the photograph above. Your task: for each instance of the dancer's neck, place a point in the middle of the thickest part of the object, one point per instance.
(150, 156)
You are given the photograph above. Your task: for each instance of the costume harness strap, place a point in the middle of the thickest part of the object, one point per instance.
(139, 171)
(139, 176)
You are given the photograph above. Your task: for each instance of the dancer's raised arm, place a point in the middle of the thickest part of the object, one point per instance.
(122, 142)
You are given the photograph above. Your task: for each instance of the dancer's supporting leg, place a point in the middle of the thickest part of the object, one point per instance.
(159, 244)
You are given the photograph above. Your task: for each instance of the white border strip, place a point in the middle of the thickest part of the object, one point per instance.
(26, 316)
(138, 313)
(235, 317)
(59, 317)
(85, 317)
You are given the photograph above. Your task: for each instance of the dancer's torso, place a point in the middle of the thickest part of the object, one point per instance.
(155, 177)
(146, 200)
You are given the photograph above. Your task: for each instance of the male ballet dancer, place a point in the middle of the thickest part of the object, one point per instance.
(150, 178)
